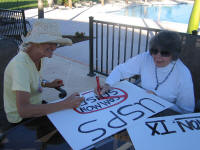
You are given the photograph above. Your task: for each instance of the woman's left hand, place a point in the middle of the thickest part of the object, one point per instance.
(56, 83)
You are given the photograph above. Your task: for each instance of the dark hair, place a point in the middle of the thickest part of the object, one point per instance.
(167, 41)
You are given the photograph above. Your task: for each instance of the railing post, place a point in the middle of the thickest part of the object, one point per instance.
(91, 61)
(194, 32)
(24, 23)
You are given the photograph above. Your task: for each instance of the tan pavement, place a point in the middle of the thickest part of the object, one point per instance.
(73, 74)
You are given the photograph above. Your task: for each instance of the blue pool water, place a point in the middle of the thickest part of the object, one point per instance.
(173, 13)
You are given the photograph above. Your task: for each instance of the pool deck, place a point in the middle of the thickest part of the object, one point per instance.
(163, 2)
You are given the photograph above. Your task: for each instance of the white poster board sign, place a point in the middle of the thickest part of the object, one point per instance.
(97, 119)
(180, 132)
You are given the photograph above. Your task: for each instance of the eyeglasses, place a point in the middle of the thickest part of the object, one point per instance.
(154, 51)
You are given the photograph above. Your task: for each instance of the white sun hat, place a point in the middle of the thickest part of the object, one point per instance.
(46, 31)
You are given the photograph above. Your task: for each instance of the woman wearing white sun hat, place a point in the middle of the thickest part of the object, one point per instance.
(22, 79)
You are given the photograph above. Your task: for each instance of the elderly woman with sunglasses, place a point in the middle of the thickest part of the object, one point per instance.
(162, 72)
(23, 82)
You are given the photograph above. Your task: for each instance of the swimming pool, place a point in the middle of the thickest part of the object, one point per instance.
(173, 13)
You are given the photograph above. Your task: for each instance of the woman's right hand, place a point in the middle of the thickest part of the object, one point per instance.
(103, 89)
(73, 101)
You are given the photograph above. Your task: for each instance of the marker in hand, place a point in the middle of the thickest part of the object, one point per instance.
(98, 86)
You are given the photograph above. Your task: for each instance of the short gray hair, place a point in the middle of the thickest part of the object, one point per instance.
(167, 41)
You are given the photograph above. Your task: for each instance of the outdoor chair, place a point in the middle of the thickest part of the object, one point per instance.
(190, 55)
(8, 49)
(13, 24)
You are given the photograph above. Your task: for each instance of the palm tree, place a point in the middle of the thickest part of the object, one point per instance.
(40, 9)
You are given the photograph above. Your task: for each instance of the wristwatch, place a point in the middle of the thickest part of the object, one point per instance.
(43, 83)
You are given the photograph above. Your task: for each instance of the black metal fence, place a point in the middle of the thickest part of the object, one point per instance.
(13, 24)
(114, 43)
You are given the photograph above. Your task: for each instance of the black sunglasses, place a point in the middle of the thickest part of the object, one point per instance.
(162, 53)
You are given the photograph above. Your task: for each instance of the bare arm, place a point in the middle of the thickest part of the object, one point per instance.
(27, 110)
